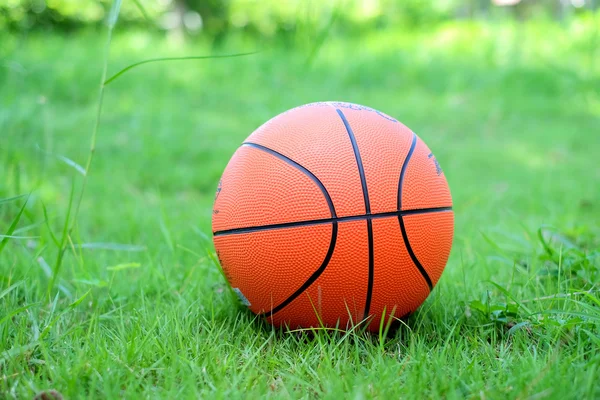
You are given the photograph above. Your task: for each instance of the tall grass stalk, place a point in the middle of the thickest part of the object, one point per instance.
(72, 222)
(111, 22)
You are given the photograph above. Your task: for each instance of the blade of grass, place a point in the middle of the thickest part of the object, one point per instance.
(112, 20)
(511, 297)
(165, 232)
(569, 313)
(15, 312)
(256, 353)
(544, 243)
(69, 308)
(113, 15)
(47, 221)
(48, 272)
(13, 226)
(593, 298)
(322, 36)
(593, 310)
(10, 289)
(190, 251)
(492, 243)
(518, 326)
(27, 228)
(9, 199)
(15, 351)
(72, 163)
(142, 10)
(64, 159)
(62, 248)
(110, 246)
(121, 267)
(384, 327)
(44, 266)
(18, 237)
(152, 60)
(558, 296)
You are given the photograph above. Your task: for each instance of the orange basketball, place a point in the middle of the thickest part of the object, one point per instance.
(332, 214)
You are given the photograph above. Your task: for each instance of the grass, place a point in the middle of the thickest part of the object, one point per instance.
(139, 309)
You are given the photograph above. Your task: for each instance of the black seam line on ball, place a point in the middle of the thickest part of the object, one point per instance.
(371, 269)
(361, 170)
(260, 228)
(411, 253)
(363, 181)
(301, 168)
(403, 170)
(315, 275)
(334, 231)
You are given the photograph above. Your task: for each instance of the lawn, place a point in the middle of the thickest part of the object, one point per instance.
(135, 306)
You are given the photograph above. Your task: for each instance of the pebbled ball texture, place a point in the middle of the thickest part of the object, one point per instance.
(333, 214)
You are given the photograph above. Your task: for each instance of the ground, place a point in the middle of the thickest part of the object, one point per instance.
(137, 308)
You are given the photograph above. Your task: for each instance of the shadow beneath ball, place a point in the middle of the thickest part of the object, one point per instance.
(308, 335)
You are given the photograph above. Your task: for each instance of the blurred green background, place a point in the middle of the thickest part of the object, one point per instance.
(505, 93)
(217, 18)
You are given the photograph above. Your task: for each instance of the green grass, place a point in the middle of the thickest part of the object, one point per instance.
(138, 309)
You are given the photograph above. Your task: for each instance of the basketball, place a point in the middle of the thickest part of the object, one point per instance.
(331, 215)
